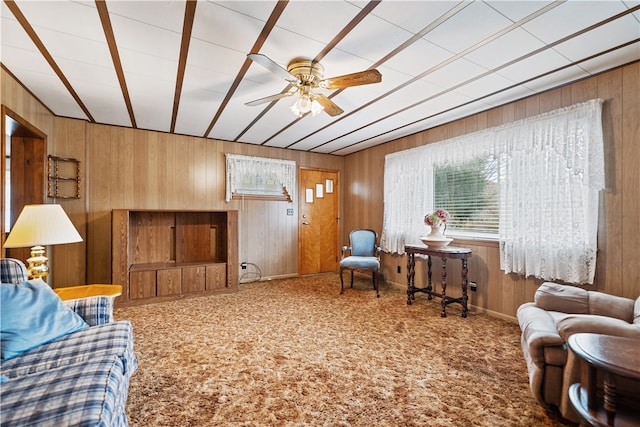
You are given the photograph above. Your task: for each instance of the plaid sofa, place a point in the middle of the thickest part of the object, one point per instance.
(80, 379)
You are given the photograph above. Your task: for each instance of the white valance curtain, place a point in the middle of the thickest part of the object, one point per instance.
(259, 176)
(551, 169)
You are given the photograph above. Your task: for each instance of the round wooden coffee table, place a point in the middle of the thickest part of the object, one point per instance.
(613, 356)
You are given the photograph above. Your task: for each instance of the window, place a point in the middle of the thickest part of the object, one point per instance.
(533, 183)
(260, 178)
(469, 192)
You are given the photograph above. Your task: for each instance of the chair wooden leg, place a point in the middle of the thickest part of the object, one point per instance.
(375, 283)
(352, 278)
(341, 282)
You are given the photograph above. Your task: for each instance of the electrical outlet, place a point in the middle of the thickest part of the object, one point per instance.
(473, 286)
(243, 265)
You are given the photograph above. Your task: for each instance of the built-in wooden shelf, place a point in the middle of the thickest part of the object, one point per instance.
(162, 253)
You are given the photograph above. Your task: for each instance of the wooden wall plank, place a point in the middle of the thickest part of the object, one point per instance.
(145, 168)
(551, 100)
(630, 180)
(584, 90)
(610, 222)
(71, 269)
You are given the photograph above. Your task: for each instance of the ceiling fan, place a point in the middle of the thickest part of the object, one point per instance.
(306, 76)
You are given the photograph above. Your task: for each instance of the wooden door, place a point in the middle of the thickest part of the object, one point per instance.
(318, 221)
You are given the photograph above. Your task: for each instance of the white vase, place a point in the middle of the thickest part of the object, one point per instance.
(437, 231)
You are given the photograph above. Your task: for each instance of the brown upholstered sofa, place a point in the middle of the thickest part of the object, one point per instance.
(558, 312)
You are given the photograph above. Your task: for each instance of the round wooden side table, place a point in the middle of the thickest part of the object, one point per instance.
(613, 356)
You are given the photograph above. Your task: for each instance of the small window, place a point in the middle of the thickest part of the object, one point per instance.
(469, 192)
(260, 178)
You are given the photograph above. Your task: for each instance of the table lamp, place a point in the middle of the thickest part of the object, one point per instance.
(39, 226)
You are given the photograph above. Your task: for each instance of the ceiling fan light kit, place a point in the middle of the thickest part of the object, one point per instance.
(304, 105)
(307, 76)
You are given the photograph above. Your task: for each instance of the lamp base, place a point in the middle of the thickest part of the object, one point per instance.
(38, 268)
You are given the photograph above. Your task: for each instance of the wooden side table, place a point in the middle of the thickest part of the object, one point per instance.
(613, 356)
(445, 253)
(84, 291)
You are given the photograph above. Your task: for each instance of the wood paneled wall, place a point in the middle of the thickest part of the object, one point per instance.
(123, 168)
(618, 265)
(136, 169)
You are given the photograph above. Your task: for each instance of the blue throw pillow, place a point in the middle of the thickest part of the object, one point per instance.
(31, 314)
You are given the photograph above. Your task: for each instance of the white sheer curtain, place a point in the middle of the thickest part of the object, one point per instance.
(408, 185)
(551, 170)
(259, 174)
(408, 176)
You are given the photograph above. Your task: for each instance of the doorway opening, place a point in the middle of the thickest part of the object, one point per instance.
(24, 156)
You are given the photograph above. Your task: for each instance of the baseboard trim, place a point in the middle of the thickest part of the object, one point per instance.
(473, 309)
(279, 276)
(502, 316)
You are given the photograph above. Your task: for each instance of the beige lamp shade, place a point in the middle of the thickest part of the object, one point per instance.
(42, 225)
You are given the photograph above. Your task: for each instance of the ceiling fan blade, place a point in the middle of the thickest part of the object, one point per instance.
(272, 66)
(269, 98)
(355, 79)
(329, 106)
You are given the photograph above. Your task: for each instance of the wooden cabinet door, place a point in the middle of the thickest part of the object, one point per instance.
(216, 276)
(142, 284)
(193, 278)
(169, 281)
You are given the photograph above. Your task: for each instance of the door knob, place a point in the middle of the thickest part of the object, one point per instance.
(305, 223)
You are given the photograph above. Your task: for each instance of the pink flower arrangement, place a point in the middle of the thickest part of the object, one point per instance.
(439, 217)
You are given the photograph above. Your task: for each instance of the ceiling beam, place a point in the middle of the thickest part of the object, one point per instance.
(268, 26)
(115, 57)
(187, 28)
(13, 7)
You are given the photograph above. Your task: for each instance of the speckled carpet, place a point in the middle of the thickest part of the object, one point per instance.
(294, 352)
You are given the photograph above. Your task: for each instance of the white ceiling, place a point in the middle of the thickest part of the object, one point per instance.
(440, 60)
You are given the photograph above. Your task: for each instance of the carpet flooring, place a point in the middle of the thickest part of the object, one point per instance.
(294, 352)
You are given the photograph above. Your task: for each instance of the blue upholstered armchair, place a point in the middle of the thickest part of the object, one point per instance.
(364, 255)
